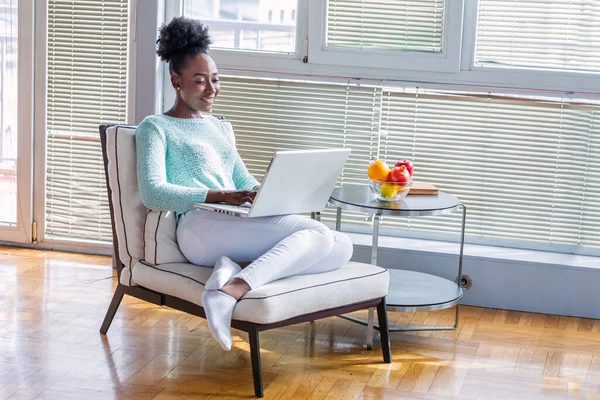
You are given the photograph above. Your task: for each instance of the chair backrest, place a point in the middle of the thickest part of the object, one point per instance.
(138, 233)
(127, 211)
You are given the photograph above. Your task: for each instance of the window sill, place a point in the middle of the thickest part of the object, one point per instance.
(481, 252)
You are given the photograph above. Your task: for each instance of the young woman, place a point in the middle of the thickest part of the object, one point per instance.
(186, 156)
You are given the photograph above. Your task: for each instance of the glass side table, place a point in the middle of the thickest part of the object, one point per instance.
(409, 291)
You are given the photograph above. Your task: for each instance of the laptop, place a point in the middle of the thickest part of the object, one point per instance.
(296, 181)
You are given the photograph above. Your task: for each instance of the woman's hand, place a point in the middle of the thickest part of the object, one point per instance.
(239, 197)
(233, 197)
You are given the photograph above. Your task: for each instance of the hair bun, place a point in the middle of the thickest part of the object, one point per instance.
(182, 36)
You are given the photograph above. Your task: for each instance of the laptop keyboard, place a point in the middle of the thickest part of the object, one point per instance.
(243, 207)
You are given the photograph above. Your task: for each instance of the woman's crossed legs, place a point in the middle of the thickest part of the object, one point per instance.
(280, 246)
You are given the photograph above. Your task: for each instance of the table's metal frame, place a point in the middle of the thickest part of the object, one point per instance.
(377, 216)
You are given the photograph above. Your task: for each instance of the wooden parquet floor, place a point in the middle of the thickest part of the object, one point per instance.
(52, 305)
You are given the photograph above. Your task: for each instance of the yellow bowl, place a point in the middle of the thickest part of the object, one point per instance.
(389, 191)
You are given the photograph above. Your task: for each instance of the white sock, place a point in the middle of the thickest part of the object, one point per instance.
(218, 307)
(224, 270)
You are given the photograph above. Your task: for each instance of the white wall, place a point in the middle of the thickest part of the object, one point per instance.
(148, 74)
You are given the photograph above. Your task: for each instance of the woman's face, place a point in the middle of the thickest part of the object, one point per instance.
(198, 83)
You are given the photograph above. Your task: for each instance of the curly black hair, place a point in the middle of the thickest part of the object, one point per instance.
(182, 38)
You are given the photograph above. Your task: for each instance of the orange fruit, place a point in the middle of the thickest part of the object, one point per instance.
(378, 171)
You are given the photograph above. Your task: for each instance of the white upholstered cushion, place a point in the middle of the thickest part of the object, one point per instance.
(125, 278)
(183, 280)
(142, 234)
(304, 294)
(129, 212)
(161, 239)
(276, 301)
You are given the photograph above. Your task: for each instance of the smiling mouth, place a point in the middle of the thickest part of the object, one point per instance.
(208, 100)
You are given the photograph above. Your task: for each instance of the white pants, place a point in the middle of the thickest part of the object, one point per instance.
(280, 246)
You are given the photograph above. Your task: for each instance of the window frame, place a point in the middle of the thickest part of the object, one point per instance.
(242, 60)
(21, 231)
(446, 61)
(234, 59)
(509, 81)
(40, 103)
(468, 75)
(517, 77)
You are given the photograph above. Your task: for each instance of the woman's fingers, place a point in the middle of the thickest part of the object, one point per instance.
(241, 197)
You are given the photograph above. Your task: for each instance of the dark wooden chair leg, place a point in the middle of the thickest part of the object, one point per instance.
(256, 364)
(384, 331)
(112, 309)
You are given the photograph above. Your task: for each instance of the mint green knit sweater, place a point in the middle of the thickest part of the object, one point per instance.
(180, 159)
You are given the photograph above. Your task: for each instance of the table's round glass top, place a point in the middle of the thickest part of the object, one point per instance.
(360, 198)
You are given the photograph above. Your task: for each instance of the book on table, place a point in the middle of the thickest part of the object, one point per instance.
(423, 188)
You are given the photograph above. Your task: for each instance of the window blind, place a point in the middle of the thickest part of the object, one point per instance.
(554, 34)
(87, 82)
(404, 25)
(528, 169)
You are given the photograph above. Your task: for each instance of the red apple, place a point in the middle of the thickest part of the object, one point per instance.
(399, 174)
(408, 164)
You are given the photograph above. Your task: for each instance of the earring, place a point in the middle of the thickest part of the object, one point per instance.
(178, 88)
